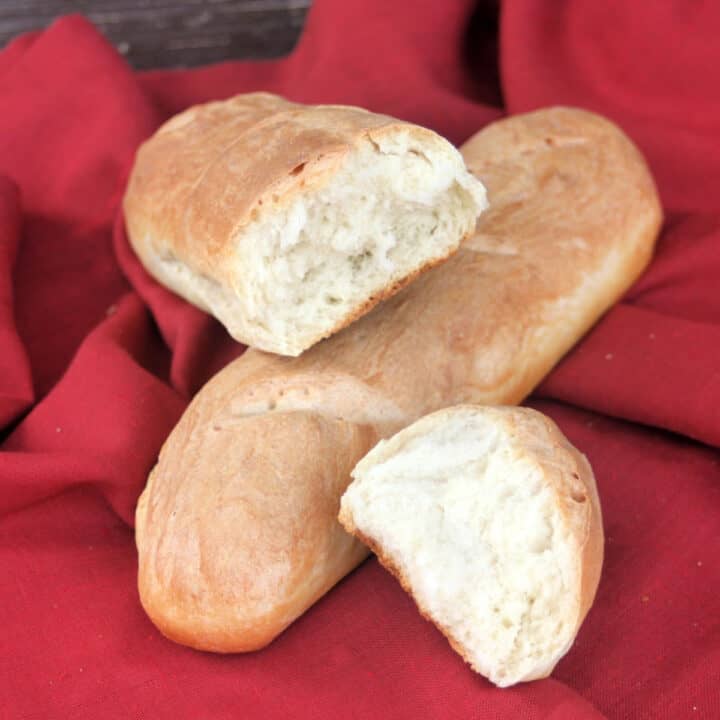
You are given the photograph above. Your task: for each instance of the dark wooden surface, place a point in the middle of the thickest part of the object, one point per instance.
(173, 33)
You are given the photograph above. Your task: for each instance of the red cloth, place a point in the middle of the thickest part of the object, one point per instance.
(97, 364)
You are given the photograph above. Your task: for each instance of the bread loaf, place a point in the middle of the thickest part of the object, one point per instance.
(288, 221)
(491, 520)
(236, 530)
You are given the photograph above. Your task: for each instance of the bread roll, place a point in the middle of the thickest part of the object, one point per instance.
(490, 519)
(236, 530)
(288, 221)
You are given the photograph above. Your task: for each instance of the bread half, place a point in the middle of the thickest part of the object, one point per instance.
(288, 221)
(490, 519)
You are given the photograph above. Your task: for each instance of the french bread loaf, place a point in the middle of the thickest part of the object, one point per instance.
(236, 530)
(288, 221)
(491, 520)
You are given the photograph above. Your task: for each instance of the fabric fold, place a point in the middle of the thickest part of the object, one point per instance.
(16, 390)
(97, 363)
(620, 367)
(75, 116)
(103, 422)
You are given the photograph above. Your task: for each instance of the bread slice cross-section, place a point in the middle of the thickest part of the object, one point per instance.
(289, 221)
(490, 519)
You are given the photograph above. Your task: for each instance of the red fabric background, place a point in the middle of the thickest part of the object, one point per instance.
(97, 363)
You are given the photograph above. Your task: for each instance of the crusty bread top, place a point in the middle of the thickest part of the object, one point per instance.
(232, 537)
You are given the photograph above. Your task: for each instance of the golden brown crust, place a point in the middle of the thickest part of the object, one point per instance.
(197, 516)
(569, 473)
(571, 225)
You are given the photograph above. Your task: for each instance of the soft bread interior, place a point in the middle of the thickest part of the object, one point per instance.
(395, 206)
(303, 269)
(464, 516)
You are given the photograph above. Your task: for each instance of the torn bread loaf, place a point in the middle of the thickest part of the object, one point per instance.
(287, 221)
(490, 519)
(237, 530)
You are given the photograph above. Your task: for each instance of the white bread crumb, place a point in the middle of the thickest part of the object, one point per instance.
(483, 514)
